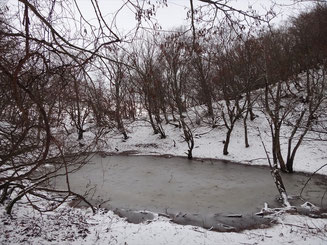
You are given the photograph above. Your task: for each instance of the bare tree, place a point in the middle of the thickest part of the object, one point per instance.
(117, 75)
(231, 91)
(247, 51)
(291, 98)
(48, 40)
(176, 73)
(148, 75)
(202, 68)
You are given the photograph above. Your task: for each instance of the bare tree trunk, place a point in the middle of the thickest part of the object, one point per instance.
(172, 112)
(188, 135)
(80, 134)
(4, 194)
(245, 118)
(155, 130)
(164, 112)
(278, 158)
(13, 201)
(159, 125)
(227, 140)
(246, 138)
(276, 176)
(119, 121)
(249, 106)
(230, 119)
(210, 109)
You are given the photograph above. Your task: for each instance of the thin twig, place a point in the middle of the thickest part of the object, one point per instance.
(311, 178)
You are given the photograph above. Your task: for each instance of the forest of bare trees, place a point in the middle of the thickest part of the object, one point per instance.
(57, 86)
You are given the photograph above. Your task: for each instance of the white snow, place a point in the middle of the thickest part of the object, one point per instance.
(209, 144)
(80, 226)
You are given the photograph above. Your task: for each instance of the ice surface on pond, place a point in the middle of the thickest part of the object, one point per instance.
(173, 185)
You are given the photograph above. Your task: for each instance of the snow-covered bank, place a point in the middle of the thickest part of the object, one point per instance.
(76, 226)
(209, 144)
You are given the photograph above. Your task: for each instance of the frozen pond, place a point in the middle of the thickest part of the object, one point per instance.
(177, 185)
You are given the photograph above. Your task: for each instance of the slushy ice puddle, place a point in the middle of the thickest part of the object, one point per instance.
(214, 194)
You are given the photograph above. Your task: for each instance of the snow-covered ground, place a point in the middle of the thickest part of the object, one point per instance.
(209, 144)
(79, 226)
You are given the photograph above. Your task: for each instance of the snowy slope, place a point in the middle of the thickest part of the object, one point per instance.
(209, 144)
